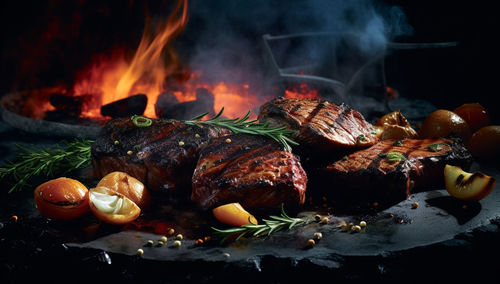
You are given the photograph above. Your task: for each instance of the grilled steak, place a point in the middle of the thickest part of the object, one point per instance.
(320, 126)
(391, 170)
(163, 155)
(251, 170)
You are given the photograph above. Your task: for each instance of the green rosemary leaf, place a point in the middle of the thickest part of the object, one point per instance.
(244, 125)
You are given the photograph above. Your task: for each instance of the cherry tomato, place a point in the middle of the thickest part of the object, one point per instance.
(62, 198)
(474, 114)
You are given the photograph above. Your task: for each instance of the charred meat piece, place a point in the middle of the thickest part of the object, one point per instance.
(252, 170)
(163, 155)
(320, 125)
(389, 171)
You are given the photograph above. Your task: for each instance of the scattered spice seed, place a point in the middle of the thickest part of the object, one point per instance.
(179, 237)
(129, 152)
(226, 255)
(163, 239)
(356, 228)
(170, 231)
(414, 205)
(228, 140)
(14, 218)
(362, 224)
(150, 243)
(198, 242)
(177, 243)
(207, 238)
(116, 142)
(324, 220)
(311, 243)
(140, 251)
(197, 135)
(160, 243)
(317, 217)
(181, 143)
(318, 235)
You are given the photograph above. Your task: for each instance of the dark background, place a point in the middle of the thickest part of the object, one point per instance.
(46, 42)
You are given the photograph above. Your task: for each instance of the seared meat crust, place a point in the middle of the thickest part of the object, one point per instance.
(252, 170)
(162, 156)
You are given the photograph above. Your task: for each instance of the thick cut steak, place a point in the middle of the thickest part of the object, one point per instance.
(163, 155)
(378, 174)
(252, 170)
(320, 125)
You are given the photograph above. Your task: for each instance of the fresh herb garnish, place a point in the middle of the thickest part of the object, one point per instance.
(47, 162)
(435, 147)
(141, 121)
(398, 143)
(244, 125)
(345, 158)
(273, 224)
(361, 137)
(393, 156)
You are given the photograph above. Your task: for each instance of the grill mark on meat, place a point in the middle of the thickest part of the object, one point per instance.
(157, 159)
(253, 171)
(365, 174)
(322, 129)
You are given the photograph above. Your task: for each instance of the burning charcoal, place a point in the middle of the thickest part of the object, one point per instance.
(164, 101)
(135, 104)
(68, 108)
(66, 102)
(204, 103)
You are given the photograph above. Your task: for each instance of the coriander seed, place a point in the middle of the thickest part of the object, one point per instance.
(163, 239)
(129, 152)
(116, 142)
(140, 251)
(414, 205)
(177, 243)
(311, 243)
(181, 143)
(362, 224)
(179, 237)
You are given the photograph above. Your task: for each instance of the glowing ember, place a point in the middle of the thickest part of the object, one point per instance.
(303, 91)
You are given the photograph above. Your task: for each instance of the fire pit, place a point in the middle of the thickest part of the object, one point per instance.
(165, 80)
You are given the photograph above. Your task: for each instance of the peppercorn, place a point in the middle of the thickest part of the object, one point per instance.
(311, 243)
(356, 228)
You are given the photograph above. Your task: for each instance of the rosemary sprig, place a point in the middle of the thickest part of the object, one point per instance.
(273, 224)
(244, 125)
(46, 162)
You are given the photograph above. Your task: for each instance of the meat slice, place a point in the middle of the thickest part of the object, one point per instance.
(320, 126)
(163, 155)
(252, 170)
(391, 170)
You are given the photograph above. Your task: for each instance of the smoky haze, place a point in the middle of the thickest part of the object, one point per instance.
(225, 37)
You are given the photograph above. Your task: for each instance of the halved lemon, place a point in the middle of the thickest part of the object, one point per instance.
(467, 186)
(112, 207)
(233, 214)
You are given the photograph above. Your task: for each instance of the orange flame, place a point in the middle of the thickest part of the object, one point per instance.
(116, 78)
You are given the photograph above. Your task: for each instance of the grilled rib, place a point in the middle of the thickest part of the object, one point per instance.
(162, 156)
(320, 125)
(252, 170)
(391, 170)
